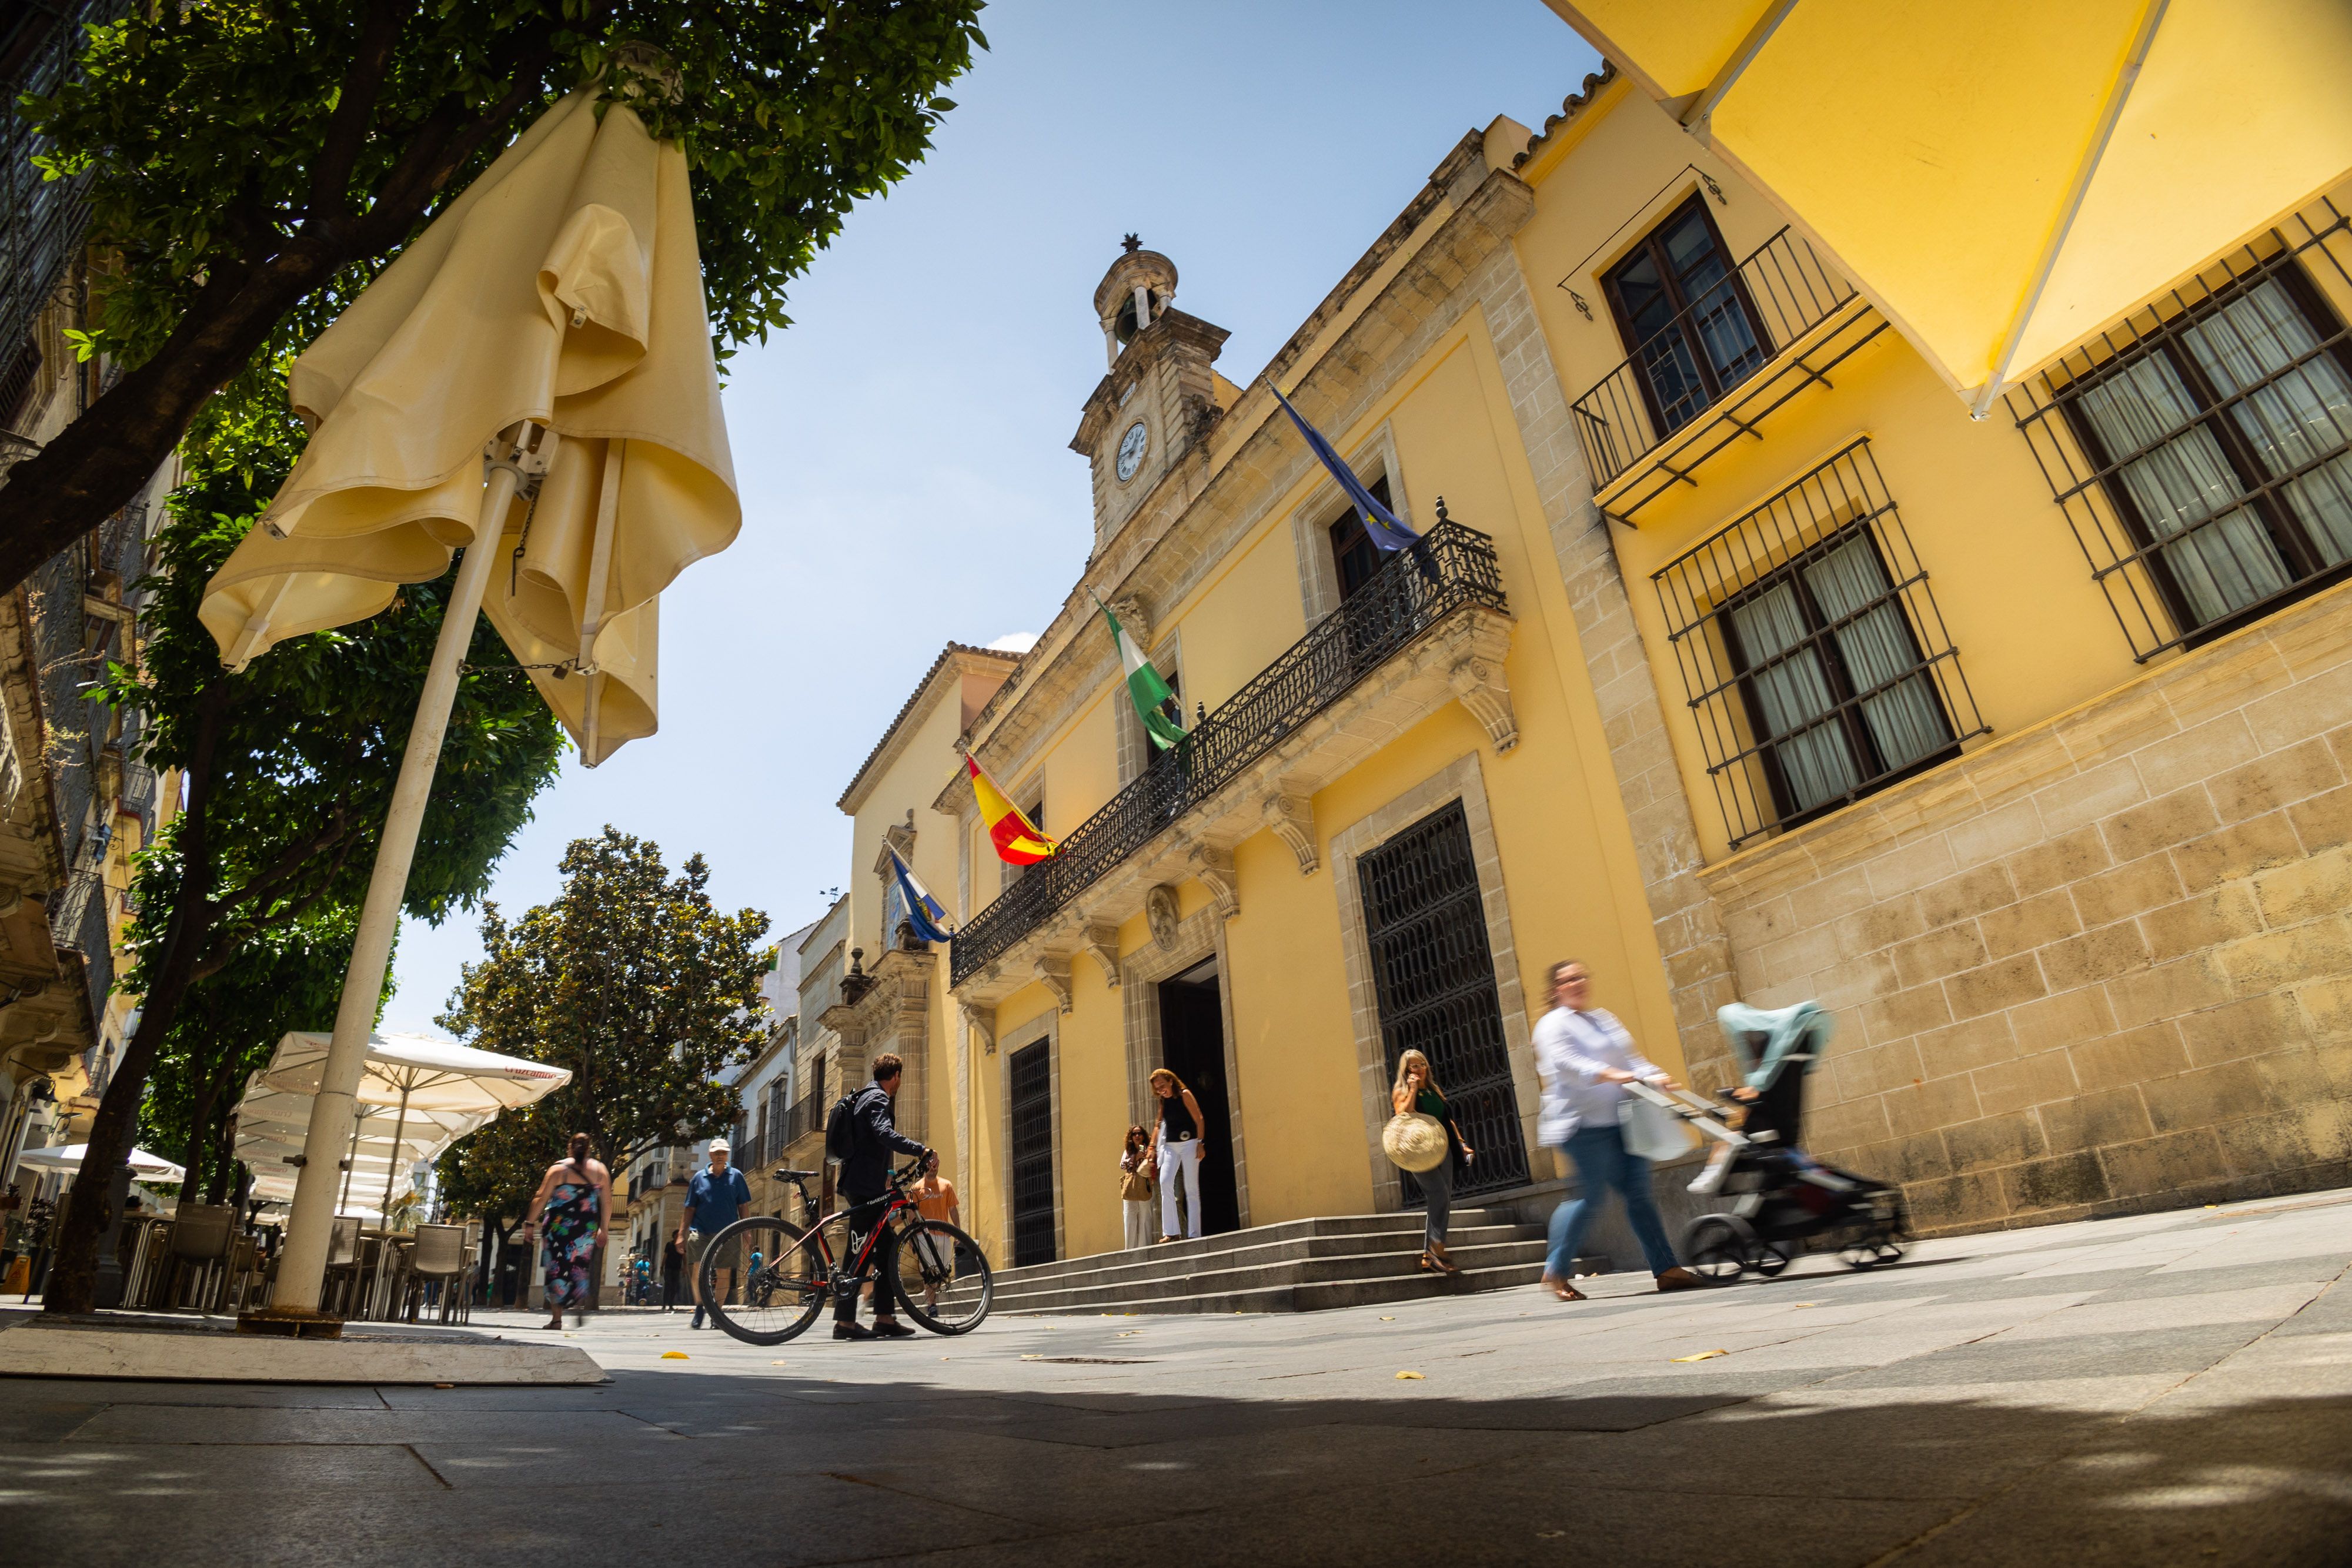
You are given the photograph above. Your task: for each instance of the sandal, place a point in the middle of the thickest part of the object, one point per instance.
(1437, 1251)
(1562, 1290)
(1428, 1264)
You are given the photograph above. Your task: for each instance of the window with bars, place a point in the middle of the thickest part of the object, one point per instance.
(2202, 449)
(1816, 664)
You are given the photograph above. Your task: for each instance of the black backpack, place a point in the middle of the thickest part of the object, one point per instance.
(841, 1128)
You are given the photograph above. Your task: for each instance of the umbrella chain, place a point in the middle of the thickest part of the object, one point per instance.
(560, 667)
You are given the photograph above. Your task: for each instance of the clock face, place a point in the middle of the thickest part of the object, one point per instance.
(1131, 450)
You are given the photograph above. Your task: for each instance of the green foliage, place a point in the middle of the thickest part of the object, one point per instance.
(635, 981)
(227, 1027)
(492, 1175)
(230, 137)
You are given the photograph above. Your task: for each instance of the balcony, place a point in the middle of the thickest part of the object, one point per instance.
(1429, 627)
(1772, 328)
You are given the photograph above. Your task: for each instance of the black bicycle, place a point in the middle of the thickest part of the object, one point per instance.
(781, 1275)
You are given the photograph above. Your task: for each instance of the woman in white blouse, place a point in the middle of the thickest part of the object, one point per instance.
(1587, 1059)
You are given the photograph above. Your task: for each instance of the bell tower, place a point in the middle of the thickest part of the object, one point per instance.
(1159, 396)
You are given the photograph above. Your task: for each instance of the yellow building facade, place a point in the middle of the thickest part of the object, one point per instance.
(2013, 740)
(1393, 809)
(1741, 661)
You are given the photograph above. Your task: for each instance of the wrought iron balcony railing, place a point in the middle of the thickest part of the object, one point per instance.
(1452, 567)
(1780, 292)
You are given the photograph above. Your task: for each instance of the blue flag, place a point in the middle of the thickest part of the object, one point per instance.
(924, 913)
(1381, 524)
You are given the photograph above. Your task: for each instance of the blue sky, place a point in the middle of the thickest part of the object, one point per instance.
(903, 449)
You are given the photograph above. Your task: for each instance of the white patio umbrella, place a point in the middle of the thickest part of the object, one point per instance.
(273, 1124)
(68, 1158)
(546, 334)
(430, 1078)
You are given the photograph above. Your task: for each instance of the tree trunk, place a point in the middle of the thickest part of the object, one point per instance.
(73, 1278)
(97, 464)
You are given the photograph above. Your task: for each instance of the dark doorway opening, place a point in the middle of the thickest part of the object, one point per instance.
(1031, 1098)
(1192, 1046)
(1434, 977)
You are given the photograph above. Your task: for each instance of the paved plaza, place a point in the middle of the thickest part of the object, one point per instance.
(2168, 1388)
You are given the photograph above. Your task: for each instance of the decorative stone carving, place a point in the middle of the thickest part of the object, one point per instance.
(1054, 971)
(1214, 867)
(1477, 680)
(1291, 819)
(1134, 613)
(1159, 911)
(1101, 940)
(981, 1021)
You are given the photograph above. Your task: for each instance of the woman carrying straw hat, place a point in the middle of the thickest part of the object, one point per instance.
(1416, 1089)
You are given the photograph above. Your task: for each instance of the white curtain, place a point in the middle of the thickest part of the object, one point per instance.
(1906, 721)
(1795, 697)
(2185, 490)
(2303, 414)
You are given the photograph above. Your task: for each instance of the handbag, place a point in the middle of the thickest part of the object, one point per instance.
(1415, 1141)
(1134, 1185)
(1656, 1136)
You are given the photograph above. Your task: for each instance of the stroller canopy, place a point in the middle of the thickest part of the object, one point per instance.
(1765, 1042)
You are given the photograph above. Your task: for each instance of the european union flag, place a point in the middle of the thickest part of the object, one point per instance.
(924, 913)
(1387, 532)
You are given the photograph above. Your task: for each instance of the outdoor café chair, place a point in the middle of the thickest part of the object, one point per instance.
(438, 1257)
(200, 1233)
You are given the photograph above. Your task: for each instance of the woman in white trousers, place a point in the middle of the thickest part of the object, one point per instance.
(1176, 1143)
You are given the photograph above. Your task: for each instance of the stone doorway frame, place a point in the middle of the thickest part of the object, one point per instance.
(1045, 1027)
(1463, 780)
(1197, 939)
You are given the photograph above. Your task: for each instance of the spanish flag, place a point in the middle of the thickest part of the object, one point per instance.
(1016, 838)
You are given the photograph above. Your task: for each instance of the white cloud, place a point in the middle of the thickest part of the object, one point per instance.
(1014, 643)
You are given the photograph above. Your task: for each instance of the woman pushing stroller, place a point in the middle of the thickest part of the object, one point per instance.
(1587, 1058)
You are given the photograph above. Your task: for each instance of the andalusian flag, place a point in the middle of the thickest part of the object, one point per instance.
(1388, 531)
(1152, 697)
(924, 913)
(1016, 838)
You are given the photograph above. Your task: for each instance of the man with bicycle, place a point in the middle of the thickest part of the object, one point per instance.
(864, 1185)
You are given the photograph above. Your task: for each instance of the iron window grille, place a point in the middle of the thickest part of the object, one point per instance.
(1730, 323)
(2201, 449)
(1817, 664)
(1413, 590)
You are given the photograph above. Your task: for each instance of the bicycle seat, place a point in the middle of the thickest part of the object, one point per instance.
(783, 1174)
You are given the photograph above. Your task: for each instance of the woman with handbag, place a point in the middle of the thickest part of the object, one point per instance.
(1587, 1058)
(1135, 1189)
(1416, 1094)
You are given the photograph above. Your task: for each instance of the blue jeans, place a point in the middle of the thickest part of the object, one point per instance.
(1602, 1164)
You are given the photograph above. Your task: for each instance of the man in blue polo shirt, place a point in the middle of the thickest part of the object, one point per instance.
(713, 1198)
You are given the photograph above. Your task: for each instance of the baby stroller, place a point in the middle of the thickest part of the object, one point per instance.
(1783, 1201)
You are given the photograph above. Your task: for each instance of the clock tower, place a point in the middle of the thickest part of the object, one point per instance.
(1150, 412)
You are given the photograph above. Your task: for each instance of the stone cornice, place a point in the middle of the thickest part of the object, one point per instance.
(1171, 331)
(1162, 564)
(956, 661)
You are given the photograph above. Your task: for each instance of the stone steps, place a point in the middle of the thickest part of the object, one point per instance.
(1305, 1265)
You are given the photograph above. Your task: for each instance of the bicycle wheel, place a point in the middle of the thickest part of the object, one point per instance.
(778, 1280)
(941, 1266)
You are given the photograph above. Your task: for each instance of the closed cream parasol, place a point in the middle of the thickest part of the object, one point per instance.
(530, 381)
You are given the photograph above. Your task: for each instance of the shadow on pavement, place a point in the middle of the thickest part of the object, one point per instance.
(1684, 1468)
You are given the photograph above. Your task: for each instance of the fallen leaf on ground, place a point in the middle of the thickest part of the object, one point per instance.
(1388, 1320)
(1702, 1355)
(779, 1364)
(1410, 1376)
(444, 1385)
(675, 1356)
(1549, 1534)
(1807, 1303)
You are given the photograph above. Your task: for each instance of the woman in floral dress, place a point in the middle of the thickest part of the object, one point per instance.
(574, 1206)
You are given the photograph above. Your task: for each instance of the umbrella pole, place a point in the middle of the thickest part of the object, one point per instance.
(522, 450)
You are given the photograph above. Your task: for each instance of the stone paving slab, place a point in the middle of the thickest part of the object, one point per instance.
(141, 1347)
(2171, 1388)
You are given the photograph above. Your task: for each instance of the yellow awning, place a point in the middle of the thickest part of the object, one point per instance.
(2003, 178)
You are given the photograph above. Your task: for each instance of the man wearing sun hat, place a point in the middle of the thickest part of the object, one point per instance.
(713, 1198)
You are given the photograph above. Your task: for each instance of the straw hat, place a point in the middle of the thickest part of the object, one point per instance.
(1414, 1142)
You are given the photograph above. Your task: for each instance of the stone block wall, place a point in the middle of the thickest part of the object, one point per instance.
(2099, 964)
